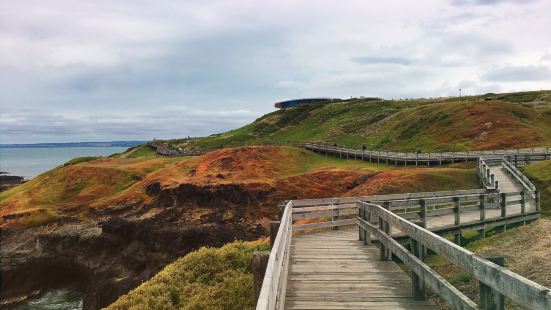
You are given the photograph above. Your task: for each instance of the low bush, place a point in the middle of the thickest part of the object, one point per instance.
(209, 278)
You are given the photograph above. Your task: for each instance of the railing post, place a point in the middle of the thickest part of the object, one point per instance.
(491, 299)
(482, 231)
(335, 218)
(417, 284)
(523, 205)
(423, 212)
(367, 218)
(260, 261)
(537, 200)
(360, 215)
(504, 209)
(384, 227)
(274, 227)
(457, 220)
(423, 215)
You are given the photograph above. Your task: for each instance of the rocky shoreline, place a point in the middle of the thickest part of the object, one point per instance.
(8, 181)
(110, 254)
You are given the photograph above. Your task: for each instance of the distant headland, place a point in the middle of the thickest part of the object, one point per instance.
(75, 144)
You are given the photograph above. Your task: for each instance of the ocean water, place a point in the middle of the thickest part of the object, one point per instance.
(30, 162)
(59, 299)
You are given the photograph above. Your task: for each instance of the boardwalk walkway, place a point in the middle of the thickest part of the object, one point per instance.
(333, 270)
(310, 268)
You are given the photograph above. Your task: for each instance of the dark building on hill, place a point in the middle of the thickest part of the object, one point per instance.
(297, 102)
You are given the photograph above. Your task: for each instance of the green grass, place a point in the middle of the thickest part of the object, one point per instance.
(207, 279)
(142, 151)
(302, 161)
(78, 160)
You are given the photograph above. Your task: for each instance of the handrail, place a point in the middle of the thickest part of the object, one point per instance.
(418, 195)
(486, 175)
(467, 155)
(272, 293)
(519, 176)
(523, 291)
(543, 152)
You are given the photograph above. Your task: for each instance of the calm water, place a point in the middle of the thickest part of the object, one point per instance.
(30, 162)
(60, 299)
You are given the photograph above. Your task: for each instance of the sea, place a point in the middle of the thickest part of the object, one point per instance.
(30, 162)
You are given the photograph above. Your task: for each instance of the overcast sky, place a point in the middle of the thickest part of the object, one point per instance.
(73, 70)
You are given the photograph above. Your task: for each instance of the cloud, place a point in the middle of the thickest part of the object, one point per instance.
(519, 73)
(24, 126)
(108, 69)
(371, 60)
(491, 2)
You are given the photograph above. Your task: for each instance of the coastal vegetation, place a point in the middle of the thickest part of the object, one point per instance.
(490, 121)
(84, 186)
(209, 278)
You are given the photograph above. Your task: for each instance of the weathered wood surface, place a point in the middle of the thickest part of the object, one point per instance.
(272, 293)
(333, 270)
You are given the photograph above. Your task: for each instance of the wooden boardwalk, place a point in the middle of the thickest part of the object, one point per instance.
(333, 270)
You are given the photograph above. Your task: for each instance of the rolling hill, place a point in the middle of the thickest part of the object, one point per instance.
(491, 121)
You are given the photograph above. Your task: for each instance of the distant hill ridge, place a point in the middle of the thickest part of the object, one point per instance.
(75, 144)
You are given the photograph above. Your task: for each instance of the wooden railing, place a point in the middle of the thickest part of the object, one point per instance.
(417, 209)
(413, 214)
(486, 175)
(272, 293)
(516, 156)
(520, 178)
(403, 158)
(376, 220)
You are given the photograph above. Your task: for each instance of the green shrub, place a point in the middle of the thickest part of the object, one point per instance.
(206, 279)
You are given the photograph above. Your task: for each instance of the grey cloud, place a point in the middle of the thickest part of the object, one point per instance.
(370, 60)
(23, 126)
(519, 74)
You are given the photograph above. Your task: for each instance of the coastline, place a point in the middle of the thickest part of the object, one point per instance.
(8, 180)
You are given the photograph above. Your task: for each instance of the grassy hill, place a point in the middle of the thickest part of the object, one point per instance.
(480, 122)
(85, 186)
